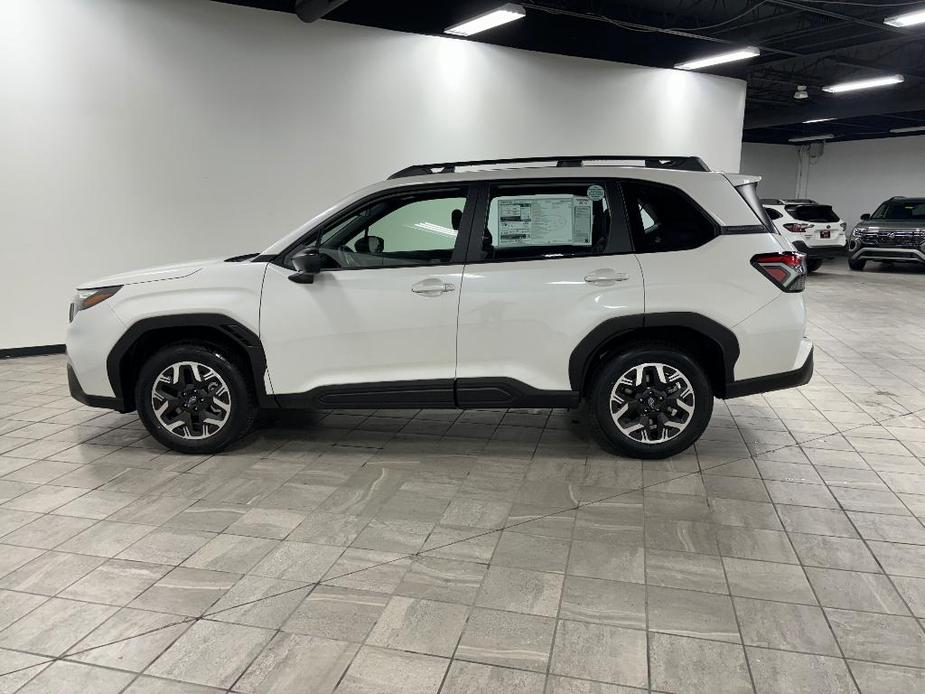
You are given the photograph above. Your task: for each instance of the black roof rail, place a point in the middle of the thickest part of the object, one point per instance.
(648, 161)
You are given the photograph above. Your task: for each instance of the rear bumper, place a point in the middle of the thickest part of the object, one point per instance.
(763, 384)
(77, 392)
(821, 252)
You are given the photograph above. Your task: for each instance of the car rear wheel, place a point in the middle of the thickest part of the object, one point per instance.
(651, 401)
(813, 264)
(856, 264)
(194, 399)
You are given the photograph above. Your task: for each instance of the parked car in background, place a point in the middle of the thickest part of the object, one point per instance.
(812, 228)
(894, 233)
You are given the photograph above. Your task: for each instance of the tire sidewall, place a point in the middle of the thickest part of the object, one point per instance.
(242, 407)
(616, 367)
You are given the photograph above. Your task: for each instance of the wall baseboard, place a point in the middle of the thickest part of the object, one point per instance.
(31, 351)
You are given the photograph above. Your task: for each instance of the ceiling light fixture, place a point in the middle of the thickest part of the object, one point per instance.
(731, 56)
(488, 20)
(818, 120)
(907, 19)
(811, 138)
(913, 129)
(869, 83)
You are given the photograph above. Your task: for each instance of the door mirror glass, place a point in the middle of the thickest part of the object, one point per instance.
(865, 216)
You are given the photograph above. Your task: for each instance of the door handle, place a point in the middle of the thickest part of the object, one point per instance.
(605, 277)
(432, 286)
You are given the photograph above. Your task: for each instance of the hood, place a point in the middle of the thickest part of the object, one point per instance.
(894, 224)
(151, 274)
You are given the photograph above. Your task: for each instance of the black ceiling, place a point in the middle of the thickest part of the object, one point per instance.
(802, 42)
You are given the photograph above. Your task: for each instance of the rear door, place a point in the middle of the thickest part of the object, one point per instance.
(548, 261)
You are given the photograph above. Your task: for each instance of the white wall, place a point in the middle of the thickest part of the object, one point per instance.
(138, 132)
(855, 177)
(777, 166)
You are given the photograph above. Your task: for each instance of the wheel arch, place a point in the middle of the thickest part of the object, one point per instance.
(149, 335)
(714, 346)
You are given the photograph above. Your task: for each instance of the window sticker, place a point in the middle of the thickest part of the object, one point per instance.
(544, 220)
(595, 193)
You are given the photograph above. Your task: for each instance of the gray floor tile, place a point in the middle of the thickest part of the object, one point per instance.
(690, 613)
(47, 532)
(507, 639)
(900, 560)
(233, 553)
(292, 662)
(421, 626)
(53, 627)
(876, 678)
(852, 590)
(382, 671)
(520, 590)
(337, 613)
(879, 637)
(50, 573)
(185, 591)
(833, 552)
(587, 650)
(449, 580)
(799, 673)
(785, 626)
(15, 605)
(751, 543)
(612, 562)
(116, 582)
(20, 668)
(211, 653)
(913, 592)
(605, 602)
(475, 678)
(106, 538)
(818, 521)
(681, 536)
(328, 528)
(685, 570)
(258, 601)
(768, 581)
(63, 676)
(273, 524)
(365, 569)
(516, 549)
(298, 561)
(680, 664)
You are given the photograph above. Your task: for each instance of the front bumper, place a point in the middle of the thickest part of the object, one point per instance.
(821, 252)
(857, 251)
(763, 384)
(77, 392)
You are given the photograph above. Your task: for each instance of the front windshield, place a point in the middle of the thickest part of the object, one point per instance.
(901, 209)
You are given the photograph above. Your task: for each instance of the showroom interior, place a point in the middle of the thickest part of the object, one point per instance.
(424, 547)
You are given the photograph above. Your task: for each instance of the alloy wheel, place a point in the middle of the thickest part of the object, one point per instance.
(191, 400)
(652, 403)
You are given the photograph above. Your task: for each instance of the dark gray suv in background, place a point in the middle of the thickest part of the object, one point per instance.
(895, 232)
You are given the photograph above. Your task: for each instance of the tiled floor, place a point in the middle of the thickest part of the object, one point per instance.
(483, 551)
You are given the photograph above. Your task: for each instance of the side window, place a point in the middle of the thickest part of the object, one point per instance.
(664, 219)
(404, 230)
(772, 213)
(549, 220)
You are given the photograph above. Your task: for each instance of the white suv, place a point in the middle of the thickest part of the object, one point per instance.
(812, 228)
(646, 286)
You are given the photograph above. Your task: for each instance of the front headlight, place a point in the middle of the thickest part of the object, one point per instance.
(87, 298)
(856, 232)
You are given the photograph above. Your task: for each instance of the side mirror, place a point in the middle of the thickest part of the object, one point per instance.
(307, 264)
(865, 216)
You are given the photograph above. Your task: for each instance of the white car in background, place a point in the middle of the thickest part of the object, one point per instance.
(813, 229)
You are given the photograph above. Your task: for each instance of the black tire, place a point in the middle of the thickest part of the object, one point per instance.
(603, 425)
(240, 399)
(813, 264)
(856, 264)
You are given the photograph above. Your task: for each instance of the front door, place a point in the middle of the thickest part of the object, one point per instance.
(378, 324)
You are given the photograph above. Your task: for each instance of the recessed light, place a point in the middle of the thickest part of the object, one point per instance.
(488, 20)
(728, 57)
(913, 129)
(869, 83)
(907, 19)
(818, 120)
(811, 138)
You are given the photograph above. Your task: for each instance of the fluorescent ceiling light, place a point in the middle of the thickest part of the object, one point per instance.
(863, 84)
(811, 138)
(907, 19)
(913, 129)
(489, 20)
(740, 54)
(818, 120)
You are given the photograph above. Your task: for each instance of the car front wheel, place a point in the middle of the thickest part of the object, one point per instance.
(856, 264)
(194, 399)
(651, 401)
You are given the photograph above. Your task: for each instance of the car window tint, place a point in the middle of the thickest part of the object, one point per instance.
(665, 219)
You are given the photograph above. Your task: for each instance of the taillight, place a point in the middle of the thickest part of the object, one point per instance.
(796, 228)
(787, 269)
